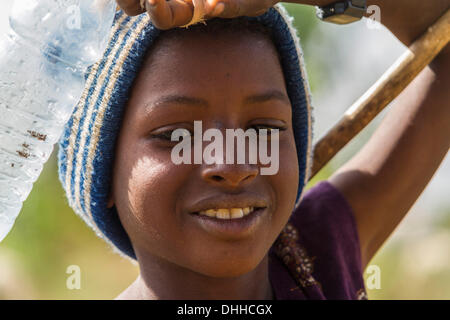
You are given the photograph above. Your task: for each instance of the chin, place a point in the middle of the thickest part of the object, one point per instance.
(229, 267)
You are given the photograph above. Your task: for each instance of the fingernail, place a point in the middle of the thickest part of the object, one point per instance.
(218, 9)
(209, 6)
(151, 3)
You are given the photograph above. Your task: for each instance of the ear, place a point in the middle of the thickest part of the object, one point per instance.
(110, 203)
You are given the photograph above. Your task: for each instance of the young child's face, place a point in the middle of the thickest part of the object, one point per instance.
(157, 200)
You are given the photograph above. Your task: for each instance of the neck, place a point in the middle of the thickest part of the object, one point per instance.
(162, 280)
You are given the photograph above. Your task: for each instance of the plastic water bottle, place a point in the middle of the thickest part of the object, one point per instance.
(43, 57)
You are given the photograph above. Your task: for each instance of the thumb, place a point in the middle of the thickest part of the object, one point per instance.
(169, 14)
(131, 7)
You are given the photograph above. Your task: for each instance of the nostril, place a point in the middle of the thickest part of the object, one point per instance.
(250, 176)
(217, 178)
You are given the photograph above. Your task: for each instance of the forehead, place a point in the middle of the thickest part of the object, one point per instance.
(202, 65)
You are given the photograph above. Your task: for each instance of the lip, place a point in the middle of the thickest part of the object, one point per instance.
(230, 229)
(228, 202)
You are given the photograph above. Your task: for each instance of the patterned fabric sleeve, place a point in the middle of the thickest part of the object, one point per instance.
(327, 229)
(323, 235)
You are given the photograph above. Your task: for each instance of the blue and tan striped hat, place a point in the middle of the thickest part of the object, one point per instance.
(86, 148)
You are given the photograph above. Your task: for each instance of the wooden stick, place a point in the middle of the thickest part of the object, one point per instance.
(383, 92)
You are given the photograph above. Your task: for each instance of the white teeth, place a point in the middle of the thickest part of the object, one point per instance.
(210, 213)
(223, 213)
(236, 213)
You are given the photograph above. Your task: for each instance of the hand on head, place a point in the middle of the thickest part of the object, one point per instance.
(178, 13)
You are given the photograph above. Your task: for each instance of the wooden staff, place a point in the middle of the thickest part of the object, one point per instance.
(383, 92)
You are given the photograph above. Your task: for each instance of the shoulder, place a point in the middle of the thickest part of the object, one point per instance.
(327, 231)
(325, 208)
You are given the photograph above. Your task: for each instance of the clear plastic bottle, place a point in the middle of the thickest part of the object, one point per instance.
(49, 45)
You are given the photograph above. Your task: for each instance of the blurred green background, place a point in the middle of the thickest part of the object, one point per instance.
(48, 237)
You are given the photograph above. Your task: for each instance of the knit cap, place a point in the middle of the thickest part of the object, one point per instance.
(87, 146)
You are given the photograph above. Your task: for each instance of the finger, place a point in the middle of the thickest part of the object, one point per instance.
(169, 14)
(258, 13)
(223, 8)
(131, 7)
(262, 6)
(237, 8)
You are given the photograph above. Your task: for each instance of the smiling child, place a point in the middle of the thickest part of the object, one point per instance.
(221, 230)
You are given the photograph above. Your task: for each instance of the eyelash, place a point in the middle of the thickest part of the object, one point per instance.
(167, 135)
(269, 127)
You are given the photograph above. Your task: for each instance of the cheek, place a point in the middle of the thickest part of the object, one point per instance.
(285, 183)
(148, 183)
(146, 194)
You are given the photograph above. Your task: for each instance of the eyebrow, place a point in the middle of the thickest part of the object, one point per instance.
(199, 102)
(267, 96)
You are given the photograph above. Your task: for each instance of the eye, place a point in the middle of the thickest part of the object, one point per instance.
(267, 129)
(166, 134)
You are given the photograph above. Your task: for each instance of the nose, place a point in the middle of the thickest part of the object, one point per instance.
(230, 175)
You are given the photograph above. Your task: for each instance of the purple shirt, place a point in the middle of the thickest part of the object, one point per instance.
(317, 256)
